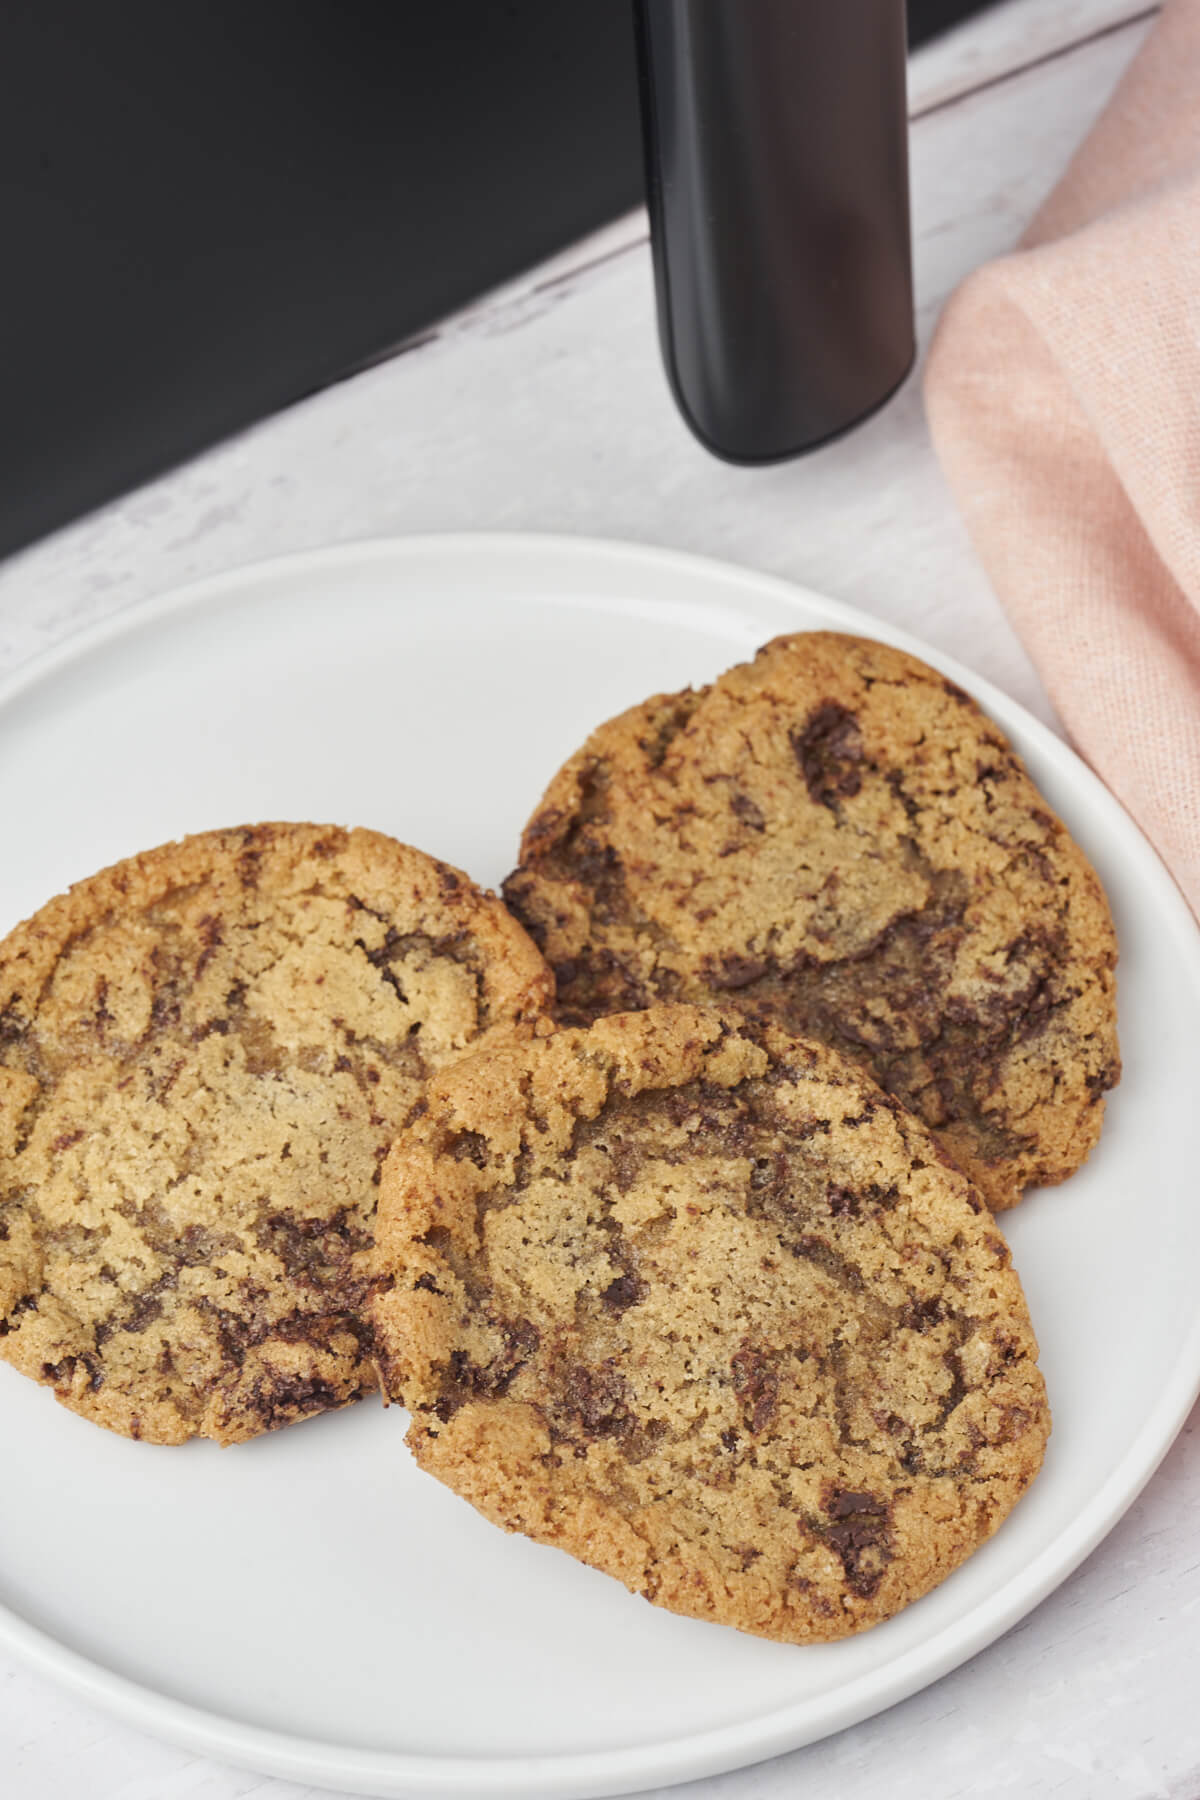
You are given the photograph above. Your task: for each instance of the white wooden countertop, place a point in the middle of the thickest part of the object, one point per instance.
(544, 408)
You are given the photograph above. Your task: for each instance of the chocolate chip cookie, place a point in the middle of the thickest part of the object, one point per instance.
(836, 837)
(701, 1304)
(205, 1052)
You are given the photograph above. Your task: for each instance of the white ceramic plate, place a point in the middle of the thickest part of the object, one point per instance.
(309, 1604)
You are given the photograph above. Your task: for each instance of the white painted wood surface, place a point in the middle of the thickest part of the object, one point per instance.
(545, 408)
(998, 44)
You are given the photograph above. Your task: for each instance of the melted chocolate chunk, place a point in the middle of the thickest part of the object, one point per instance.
(829, 749)
(621, 1294)
(466, 1380)
(595, 1400)
(285, 1399)
(860, 1535)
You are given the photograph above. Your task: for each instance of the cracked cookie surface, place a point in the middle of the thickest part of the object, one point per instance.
(205, 1052)
(835, 837)
(710, 1311)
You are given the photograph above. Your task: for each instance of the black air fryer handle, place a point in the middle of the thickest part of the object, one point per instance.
(776, 139)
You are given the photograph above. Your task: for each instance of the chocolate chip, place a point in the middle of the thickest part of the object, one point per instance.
(1105, 1078)
(466, 1379)
(922, 1315)
(210, 934)
(165, 1013)
(315, 1252)
(756, 1384)
(621, 1294)
(957, 1391)
(12, 1026)
(627, 1161)
(281, 1399)
(145, 1308)
(668, 725)
(828, 748)
(733, 972)
(249, 867)
(469, 1146)
(860, 1535)
(747, 811)
(596, 1398)
(841, 1503)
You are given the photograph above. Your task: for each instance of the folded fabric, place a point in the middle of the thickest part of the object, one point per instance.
(1063, 394)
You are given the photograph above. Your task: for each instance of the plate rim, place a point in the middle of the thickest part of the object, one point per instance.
(576, 1775)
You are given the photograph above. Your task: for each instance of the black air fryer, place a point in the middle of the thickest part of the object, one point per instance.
(209, 209)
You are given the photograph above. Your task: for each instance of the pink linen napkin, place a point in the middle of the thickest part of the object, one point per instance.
(1063, 394)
